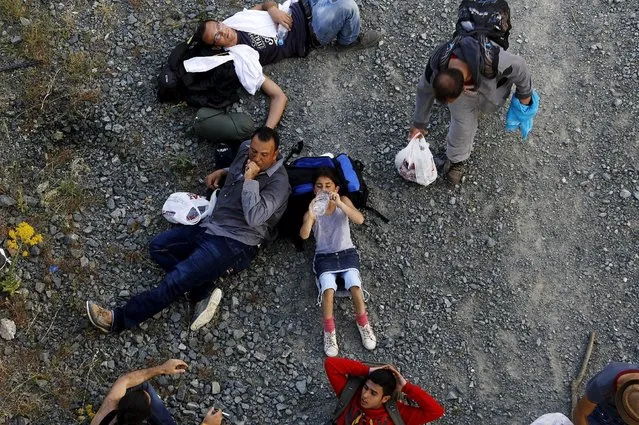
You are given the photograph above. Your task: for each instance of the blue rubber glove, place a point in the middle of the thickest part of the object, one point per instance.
(521, 116)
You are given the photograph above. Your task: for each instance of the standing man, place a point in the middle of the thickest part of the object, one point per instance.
(248, 208)
(472, 75)
(612, 397)
(367, 404)
(132, 400)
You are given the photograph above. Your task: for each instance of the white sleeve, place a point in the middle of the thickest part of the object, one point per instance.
(247, 67)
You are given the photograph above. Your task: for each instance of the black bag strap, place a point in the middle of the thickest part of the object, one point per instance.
(353, 384)
(295, 151)
(393, 412)
(377, 213)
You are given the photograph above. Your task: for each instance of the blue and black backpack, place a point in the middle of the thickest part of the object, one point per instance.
(300, 176)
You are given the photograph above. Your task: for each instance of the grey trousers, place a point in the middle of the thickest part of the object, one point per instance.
(464, 118)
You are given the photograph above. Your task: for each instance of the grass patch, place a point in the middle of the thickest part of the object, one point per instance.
(182, 164)
(39, 38)
(13, 9)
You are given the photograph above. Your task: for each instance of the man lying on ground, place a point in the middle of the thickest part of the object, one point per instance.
(132, 400)
(248, 207)
(310, 24)
(368, 404)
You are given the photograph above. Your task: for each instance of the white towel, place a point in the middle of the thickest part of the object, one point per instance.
(256, 21)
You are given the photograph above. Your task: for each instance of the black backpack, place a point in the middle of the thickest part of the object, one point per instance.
(217, 88)
(484, 17)
(353, 384)
(300, 176)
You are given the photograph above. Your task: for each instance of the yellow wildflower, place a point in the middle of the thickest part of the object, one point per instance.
(25, 253)
(12, 234)
(12, 245)
(90, 412)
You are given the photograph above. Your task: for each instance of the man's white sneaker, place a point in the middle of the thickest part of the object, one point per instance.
(369, 341)
(330, 344)
(205, 309)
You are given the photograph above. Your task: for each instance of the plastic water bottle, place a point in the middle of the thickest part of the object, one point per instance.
(321, 203)
(282, 32)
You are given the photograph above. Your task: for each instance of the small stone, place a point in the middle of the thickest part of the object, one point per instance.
(451, 396)
(39, 287)
(215, 387)
(260, 356)
(7, 329)
(301, 386)
(490, 242)
(16, 39)
(6, 201)
(625, 193)
(453, 200)
(84, 261)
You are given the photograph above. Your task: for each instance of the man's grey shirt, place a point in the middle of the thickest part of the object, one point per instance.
(248, 210)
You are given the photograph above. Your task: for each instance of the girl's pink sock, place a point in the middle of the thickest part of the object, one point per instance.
(329, 325)
(361, 319)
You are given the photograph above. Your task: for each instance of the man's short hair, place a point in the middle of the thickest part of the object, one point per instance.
(134, 408)
(266, 134)
(385, 379)
(448, 84)
(199, 32)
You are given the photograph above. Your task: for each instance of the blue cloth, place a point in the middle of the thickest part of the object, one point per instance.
(335, 19)
(521, 116)
(159, 414)
(270, 52)
(193, 259)
(601, 391)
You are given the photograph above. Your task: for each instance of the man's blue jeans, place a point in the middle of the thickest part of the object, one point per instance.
(159, 414)
(335, 19)
(193, 259)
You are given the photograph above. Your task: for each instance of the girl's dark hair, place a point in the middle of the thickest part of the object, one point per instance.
(448, 84)
(385, 379)
(134, 408)
(326, 172)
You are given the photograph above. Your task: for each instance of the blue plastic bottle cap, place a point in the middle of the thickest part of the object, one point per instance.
(280, 42)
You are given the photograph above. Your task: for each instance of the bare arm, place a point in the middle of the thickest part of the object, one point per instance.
(349, 209)
(278, 16)
(132, 379)
(584, 408)
(277, 104)
(307, 226)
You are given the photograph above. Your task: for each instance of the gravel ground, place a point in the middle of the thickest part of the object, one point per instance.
(483, 294)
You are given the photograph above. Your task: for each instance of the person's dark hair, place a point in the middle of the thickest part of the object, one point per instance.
(266, 134)
(134, 408)
(326, 172)
(199, 32)
(385, 379)
(448, 84)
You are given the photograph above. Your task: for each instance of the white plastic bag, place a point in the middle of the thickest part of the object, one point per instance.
(188, 208)
(415, 162)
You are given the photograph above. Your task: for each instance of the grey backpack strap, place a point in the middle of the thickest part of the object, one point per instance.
(393, 412)
(353, 384)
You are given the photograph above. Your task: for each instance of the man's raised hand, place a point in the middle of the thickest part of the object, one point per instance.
(251, 170)
(173, 366)
(281, 18)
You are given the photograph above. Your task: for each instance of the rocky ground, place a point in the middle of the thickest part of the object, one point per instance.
(484, 294)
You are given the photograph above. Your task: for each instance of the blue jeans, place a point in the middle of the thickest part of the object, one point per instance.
(193, 260)
(159, 414)
(335, 19)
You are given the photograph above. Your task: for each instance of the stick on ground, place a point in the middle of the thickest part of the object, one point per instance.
(582, 373)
